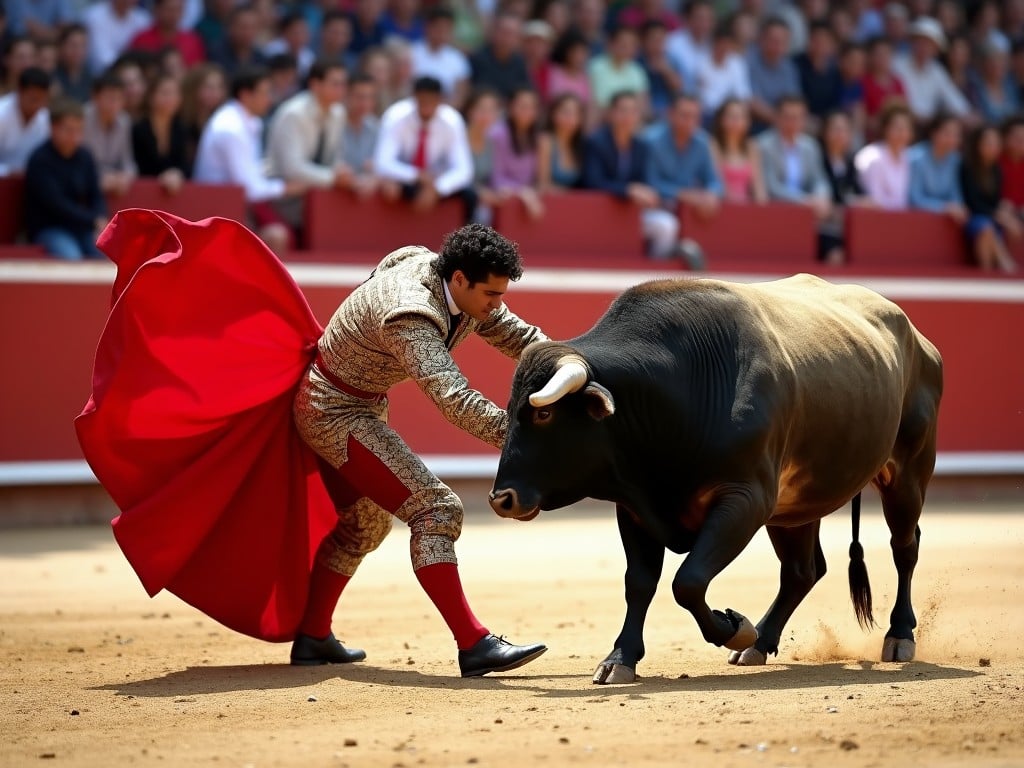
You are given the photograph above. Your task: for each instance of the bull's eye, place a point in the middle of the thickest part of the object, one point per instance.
(541, 416)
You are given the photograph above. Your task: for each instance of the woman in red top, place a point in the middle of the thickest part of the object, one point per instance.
(880, 85)
(1012, 163)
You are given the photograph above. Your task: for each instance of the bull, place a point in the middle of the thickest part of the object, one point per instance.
(705, 410)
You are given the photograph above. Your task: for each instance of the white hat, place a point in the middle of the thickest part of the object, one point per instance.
(538, 28)
(929, 28)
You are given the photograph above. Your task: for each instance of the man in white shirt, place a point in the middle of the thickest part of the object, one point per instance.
(423, 153)
(723, 75)
(112, 25)
(231, 152)
(24, 120)
(690, 48)
(927, 83)
(436, 57)
(304, 139)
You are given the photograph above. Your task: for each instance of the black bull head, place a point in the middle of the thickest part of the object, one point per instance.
(557, 448)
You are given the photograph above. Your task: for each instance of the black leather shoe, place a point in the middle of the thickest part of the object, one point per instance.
(496, 654)
(308, 651)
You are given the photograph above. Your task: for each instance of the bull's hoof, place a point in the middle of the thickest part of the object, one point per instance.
(609, 672)
(896, 649)
(748, 657)
(746, 633)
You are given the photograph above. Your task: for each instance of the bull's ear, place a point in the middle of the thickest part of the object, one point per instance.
(600, 403)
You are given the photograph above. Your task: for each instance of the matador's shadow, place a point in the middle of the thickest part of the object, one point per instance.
(201, 680)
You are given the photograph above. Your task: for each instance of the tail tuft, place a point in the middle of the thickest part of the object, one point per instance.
(860, 586)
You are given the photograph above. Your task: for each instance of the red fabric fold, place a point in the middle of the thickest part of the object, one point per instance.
(190, 428)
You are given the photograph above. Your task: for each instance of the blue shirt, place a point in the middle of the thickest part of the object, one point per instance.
(671, 169)
(934, 183)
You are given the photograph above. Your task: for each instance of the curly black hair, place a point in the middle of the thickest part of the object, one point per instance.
(479, 252)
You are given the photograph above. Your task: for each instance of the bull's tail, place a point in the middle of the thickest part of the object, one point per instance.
(860, 586)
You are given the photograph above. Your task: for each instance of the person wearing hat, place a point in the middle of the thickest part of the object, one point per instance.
(538, 40)
(929, 87)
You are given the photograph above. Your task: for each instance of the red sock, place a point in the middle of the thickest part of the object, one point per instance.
(325, 588)
(442, 584)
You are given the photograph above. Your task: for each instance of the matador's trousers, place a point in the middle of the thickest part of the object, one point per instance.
(372, 475)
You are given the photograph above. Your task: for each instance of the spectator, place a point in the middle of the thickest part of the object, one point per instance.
(336, 39)
(949, 14)
(744, 28)
(435, 56)
(367, 25)
(170, 63)
(303, 141)
(241, 44)
(616, 70)
(690, 48)
(663, 78)
(615, 161)
(820, 81)
(128, 69)
(359, 134)
(896, 20)
(422, 152)
(990, 215)
(589, 22)
(166, 32)
(643, 11)
(46, 59)
(482, 111)
(213, 26)
(560, 160)
(266, 21)
(515, 141)
(538, 39)
(884, 166)
(558, 15)
(935, 168)
(284, 79)
(791, 160)
(867, 20)
(841, 23)
(204, 90)
(568, 72)
(881, 86)
(737, 155)
(159, 141)
(500, 64)
(681, 169)
(1013, 18)
(108, 135)
(723, 76)
(38, 19)
(64, 207)
(72, 74)
(995, 95)
(837, 143)
(852, 68)
(983, 18)
(19, 55)
(404, 20)
(24, 120)
(376, 65)
(773, 75)
(957, 61)
(230, 152)
(399, 54)
(112, 25)
(800, 16)
(1011, 164)
(929, 88)
(293, 38)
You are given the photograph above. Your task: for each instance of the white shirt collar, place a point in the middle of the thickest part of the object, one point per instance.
(453, 308)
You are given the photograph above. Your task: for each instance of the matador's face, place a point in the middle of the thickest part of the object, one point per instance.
(480, 299)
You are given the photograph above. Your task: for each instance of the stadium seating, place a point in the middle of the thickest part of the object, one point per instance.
(193, 201)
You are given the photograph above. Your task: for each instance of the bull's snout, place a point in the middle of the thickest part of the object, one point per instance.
(506, 503)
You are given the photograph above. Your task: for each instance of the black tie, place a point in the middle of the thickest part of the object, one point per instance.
(453, 326)
(321, 145)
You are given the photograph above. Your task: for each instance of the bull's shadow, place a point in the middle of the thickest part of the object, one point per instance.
(200, 680)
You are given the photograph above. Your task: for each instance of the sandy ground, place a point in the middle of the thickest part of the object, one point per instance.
(94, 673)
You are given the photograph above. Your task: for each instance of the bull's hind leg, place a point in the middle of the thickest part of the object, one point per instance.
(902, 485)
(644, 559)
(802, 566)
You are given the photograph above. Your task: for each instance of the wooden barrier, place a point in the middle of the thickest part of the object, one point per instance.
(576, 227)
(193, 201)
(12, 194)
(754, 234)
(337, 221)
(919, 239)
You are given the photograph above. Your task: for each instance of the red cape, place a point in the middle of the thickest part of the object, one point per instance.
(189, 427)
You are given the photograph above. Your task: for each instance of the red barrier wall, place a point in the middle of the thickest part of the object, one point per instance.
(50, 332)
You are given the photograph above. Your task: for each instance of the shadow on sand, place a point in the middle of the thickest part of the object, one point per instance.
(228, 679)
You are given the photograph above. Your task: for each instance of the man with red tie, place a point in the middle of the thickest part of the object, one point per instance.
(423, 153)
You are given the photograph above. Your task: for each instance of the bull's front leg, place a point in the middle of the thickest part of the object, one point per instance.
(644, 558)
(731, 523)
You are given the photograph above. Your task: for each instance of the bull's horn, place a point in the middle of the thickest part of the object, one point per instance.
(570, 375)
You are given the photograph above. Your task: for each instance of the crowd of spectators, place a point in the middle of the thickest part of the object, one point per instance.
(807, 102)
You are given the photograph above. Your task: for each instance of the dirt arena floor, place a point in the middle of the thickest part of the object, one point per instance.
(94, 673)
